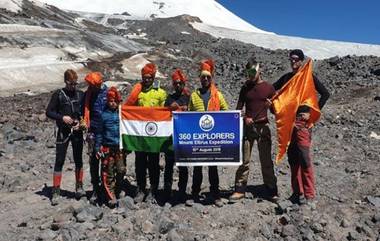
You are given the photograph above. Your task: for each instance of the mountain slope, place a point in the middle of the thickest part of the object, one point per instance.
(209, 11)
(219, 22)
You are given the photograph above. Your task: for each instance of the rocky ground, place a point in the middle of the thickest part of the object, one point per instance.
(346, 157)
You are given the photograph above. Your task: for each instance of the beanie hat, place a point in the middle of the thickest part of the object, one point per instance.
(149, 70)
(298, 53)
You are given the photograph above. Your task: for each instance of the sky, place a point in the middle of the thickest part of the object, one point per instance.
(341, 20)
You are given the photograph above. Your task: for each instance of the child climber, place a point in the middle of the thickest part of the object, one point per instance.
(113, 166)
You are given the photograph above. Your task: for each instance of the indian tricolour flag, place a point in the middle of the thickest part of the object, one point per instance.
(147, 129)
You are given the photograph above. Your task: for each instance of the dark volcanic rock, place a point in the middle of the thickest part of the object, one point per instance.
(88, 213)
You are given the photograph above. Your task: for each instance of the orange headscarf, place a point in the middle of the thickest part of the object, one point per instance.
(179, 75)
(93, 79)
(113, 94)
(149, 70)
(207, 67)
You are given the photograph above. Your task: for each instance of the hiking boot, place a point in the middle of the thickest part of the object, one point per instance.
(79, 191)
(94, 196)
(295, 198)
(112, 203)
(181, 197)
(121, 194)
(55, 196)
(194, 199)
(218, 202)
(236, 196)
(151, 198)
(167, 195)
(272, 194)
(139, 198)
(302, 200)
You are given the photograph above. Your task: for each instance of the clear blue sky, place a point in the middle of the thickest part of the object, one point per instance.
(342, 20)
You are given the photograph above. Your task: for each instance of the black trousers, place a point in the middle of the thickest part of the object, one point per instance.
(213, 179)
(168, 175)
(63, 140)
(147, 161)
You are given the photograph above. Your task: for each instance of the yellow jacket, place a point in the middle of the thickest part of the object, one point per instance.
(196, 102)
(153, 97)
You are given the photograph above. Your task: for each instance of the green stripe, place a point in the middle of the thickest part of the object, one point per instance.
(146, 143)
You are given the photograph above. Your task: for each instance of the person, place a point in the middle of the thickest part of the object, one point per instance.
(65, 108)
(147, 93)
(94, 104)
(299, 149)
(255, 95)
(178, 101)
(112, 158)
(206, 98)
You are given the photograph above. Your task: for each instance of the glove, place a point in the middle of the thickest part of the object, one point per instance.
(101, 154)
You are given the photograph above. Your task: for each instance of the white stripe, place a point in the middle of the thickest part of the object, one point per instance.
(139, 128)
(120, 133)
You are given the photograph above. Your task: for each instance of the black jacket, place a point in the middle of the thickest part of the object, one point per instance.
(64, 102)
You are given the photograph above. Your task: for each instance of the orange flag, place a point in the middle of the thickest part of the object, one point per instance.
(299, 90)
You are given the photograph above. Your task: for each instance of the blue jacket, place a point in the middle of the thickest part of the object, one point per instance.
(110, 127)
(98, 104)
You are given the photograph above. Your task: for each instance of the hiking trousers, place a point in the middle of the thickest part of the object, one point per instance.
(260, 133)
(147, 161)
(113, 171)
(64, 137)
(300, 161)
(213, 178)
(168, 175)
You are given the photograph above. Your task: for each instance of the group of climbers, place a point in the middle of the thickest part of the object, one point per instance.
(97, 112)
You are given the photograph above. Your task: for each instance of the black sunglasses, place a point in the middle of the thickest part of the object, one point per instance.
(294, 59)
(251, 72)
(206, 77)
(71, 83)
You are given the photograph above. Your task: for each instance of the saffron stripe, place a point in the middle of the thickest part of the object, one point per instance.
(145, 113)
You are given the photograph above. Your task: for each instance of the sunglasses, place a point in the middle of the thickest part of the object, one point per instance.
(147, 78)
(71, 83)
(205, 77)
(178, 82)
(250, 72)
(294, 59)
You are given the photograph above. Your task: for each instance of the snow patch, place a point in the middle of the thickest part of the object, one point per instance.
(209, 11)
(317, 49)
(374, 135)
(136, 36)
(36, 69)
(11, 5)
(19, 28)
(133, 65)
